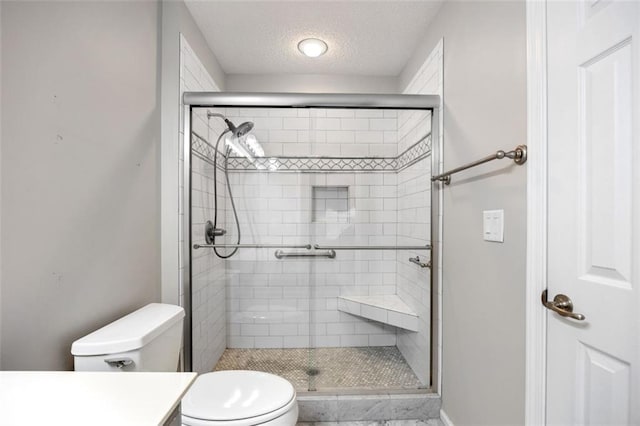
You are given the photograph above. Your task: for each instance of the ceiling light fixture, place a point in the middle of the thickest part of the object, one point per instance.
(312, 47)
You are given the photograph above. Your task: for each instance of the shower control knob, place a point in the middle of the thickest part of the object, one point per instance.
(210, 232)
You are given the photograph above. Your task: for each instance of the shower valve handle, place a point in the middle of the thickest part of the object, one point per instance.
(210, 232)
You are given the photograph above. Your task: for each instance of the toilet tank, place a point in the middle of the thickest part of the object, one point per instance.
(148, 339)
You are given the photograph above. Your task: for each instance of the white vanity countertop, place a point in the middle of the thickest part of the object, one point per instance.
(90, 398)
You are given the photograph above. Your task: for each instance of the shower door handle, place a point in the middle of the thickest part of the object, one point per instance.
(561, 305)
(279, 254)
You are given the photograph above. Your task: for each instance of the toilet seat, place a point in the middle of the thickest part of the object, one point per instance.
(237, 398)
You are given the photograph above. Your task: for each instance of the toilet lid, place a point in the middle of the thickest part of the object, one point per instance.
(236, 394)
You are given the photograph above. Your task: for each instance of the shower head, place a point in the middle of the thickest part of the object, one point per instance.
(241, 130)
(240, 142)
(237, 131)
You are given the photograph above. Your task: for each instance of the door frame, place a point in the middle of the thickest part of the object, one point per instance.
(536, 276)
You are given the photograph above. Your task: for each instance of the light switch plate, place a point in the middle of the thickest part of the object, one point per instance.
(493, 225)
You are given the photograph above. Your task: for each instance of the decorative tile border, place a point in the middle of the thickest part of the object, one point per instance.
(411, 155)
(414, 153)
(204, 150)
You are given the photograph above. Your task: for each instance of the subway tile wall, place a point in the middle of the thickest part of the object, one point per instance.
(301, 132)
(208, 271)
(293, 302)
(280, 303)
(414, 218)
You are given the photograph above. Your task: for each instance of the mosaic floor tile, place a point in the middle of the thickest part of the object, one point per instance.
(327, 368)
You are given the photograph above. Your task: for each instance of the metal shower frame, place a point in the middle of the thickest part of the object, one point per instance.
(193, 100)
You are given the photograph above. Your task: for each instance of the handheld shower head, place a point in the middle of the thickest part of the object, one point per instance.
(239, 141)
(242, 143)
(237, 131)
(241, 130)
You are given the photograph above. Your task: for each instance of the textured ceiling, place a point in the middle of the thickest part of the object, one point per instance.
(374, 38)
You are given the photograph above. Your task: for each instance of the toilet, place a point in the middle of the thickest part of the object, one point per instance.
(149, 339)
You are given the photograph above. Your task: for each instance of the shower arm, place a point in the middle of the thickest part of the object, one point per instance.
(217, 114)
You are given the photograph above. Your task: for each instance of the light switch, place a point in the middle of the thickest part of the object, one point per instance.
(493, 225)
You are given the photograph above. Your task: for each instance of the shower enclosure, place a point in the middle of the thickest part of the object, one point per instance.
(307, 234)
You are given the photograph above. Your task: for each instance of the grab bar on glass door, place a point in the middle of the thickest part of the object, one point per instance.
(277, 246)
(316, 246)
(425, 247)
(331, 254)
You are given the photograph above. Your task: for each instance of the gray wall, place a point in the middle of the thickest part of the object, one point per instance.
(80, 172)
(176, 20)
(0, 182)
(310, 83)
(483, 289)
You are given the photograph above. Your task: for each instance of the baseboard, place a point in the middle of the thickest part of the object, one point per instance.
(445, 419)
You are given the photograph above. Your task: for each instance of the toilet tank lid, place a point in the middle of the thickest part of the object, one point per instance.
(130, 332)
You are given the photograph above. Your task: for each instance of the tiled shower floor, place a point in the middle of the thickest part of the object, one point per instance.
(353, 368)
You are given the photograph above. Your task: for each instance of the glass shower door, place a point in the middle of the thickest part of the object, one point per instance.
(370, 306)
(267, 279)
(325, 318)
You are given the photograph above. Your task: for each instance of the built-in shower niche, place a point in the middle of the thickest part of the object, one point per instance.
(330, 204)
(331, 177)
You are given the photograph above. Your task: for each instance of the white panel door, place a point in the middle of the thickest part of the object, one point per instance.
(594, 211)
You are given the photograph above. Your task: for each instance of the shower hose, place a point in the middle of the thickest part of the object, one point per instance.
(215, 197)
